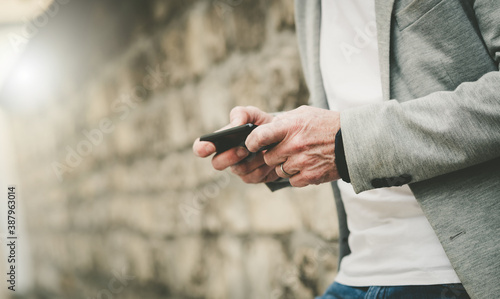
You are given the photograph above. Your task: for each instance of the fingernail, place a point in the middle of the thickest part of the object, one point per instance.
(241, 152)
(209, 147)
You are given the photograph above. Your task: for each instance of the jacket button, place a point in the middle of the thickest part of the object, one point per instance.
(391, 181)
(403, 180)
(377, 183)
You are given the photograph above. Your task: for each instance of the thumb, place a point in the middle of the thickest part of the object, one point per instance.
(265, 135)
(237, 121)
(242, 115)
(238, 116)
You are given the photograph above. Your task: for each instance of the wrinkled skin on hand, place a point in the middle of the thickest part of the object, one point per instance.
(306, 146)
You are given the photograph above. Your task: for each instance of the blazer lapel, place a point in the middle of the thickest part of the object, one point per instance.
(383, 10)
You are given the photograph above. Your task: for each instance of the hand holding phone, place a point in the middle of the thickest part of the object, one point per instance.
(231, 151)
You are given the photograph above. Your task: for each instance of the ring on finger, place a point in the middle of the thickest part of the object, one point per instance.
(288, 175)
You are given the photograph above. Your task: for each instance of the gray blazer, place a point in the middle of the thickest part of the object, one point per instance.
(441, 134)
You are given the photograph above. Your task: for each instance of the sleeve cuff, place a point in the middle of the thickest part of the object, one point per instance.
(340, 158)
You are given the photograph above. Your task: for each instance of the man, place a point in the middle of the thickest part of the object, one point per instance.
(439, 61)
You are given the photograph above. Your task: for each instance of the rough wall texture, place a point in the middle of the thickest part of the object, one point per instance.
(117, 205)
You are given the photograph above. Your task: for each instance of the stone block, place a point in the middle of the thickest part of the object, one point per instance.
(182, 266)
(249, 23)
(233, 266)
(125, 138)
(272, 213)
(229, 209)
(317, 209)
(205, 41)
(214, 104)
(139, 256)
(264, 263)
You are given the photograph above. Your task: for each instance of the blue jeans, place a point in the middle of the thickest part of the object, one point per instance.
(443, 291)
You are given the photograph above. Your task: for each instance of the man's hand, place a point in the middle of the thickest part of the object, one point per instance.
(306, 146)
(253, 171)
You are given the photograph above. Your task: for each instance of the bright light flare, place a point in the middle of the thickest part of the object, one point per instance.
(29, 85)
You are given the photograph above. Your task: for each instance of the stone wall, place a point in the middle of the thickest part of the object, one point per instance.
(117, 206)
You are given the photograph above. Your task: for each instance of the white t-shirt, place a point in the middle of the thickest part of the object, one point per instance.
(391, 241)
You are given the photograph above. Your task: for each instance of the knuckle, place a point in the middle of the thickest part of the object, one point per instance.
(309, 176)
(249, 179)
(282, 121)
(266, 134)
(256, 176)
(257, 137)
(268, 159)
(235, 170)
(237, 109)
(302, 160)
(240, 169)
(297, 145)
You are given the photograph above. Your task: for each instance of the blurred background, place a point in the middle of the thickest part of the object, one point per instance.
(100, 103)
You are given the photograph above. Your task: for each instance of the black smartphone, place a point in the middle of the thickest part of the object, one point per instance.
(232, 137)
(229, 138)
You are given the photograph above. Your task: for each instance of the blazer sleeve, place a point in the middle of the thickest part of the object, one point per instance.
(392, 143)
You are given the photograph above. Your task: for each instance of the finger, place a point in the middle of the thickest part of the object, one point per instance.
(228, 158)
(259, 175)
(266, 134)
(299, 180)
(276, 155)
(203, 148)
(284, 170)
(242, 115)
(271, 177)
(247, 167)
(306, 178)
(225, 127)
